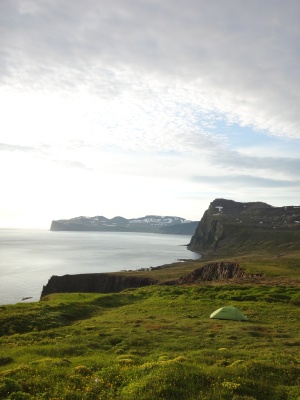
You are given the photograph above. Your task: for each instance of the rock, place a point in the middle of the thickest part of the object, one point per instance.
(94, 283)
(214, 271)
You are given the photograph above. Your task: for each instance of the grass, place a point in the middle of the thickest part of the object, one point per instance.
(282, 264)
(154, 343)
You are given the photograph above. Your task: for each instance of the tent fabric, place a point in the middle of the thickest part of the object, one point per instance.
(228, 312)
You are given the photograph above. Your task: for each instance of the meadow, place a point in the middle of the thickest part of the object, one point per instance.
(158, 342)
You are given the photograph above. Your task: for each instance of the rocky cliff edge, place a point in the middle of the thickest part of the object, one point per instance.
(228, 227)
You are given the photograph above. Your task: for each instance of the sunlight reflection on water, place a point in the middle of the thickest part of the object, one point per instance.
(28, 258)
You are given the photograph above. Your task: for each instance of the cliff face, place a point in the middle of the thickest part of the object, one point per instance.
(106, 283)
(93, 283)
(228, 226)
(215, 271)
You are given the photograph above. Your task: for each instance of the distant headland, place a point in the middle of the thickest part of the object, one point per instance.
(230, 227)
(149, 223)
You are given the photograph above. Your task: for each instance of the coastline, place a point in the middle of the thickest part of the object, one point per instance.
(30, 257)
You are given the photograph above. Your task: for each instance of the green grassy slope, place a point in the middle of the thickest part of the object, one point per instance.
(157, 342)
(278, 263)
(244, 238)
(228, 227)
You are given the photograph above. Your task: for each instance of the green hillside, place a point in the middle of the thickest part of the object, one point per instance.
(228, 227)
(158, 342)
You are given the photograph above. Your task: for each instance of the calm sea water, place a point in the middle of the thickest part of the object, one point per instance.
(28, 258)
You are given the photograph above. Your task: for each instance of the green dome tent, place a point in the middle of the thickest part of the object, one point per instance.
(228, 312)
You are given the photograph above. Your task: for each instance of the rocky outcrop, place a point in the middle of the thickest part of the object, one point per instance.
(229, 227)
(214, 271)
(93, 283)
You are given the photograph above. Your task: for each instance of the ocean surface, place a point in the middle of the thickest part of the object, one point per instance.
(28, 258)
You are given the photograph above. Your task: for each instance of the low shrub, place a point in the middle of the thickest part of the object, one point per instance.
(8, 386)
(20, 396)
(296, 299)
(5, 360)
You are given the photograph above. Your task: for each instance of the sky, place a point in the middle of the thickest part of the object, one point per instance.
(137, 107)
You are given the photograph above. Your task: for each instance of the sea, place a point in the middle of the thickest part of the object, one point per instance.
(28, 258)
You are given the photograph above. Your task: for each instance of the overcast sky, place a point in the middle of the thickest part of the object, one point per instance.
(135, 107)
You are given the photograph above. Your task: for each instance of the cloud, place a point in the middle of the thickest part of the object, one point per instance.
(245, 188)
(192, 100)
(13, 148)
(246, 181)
(135, 121)
(282, 167)
(238, 59)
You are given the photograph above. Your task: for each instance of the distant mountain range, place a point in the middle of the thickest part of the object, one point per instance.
(229, 227)
(149, 223)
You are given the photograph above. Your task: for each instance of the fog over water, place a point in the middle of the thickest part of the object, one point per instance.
(28, 258)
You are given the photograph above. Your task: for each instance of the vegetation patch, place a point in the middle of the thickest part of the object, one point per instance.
(155, 342)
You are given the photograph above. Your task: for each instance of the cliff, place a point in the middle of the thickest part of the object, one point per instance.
(228, 227)
(108, 283)
(215, 271)
(93, 283)
(149, 223)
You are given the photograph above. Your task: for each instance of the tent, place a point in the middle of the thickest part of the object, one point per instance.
(228, 312)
